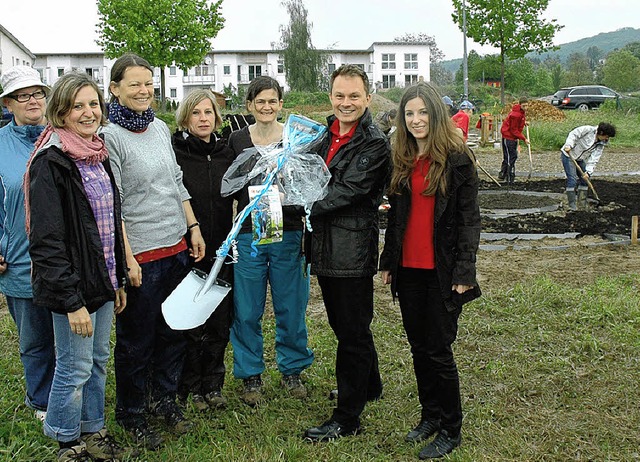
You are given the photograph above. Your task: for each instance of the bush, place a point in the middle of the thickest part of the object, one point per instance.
(299, 99)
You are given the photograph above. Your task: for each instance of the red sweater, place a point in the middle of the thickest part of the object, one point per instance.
(461, 119)
(417, 246)
(514, 124)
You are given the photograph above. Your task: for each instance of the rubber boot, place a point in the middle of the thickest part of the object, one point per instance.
(503, 172)
(582, 199)
(511, 174)
(571, 197)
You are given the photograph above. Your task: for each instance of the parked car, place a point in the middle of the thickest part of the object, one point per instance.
(583, 97)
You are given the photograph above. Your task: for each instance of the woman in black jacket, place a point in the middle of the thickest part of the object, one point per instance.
(204, 158)
(429, 254)
(78, 263)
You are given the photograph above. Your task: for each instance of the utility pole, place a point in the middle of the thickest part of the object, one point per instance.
(465, 70)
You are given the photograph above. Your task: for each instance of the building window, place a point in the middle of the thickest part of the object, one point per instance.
(332, 68)
(172, 70)
(411, 60)
(388, 60)
(173, 92)
(388, 81)
(280, 66)
(60, 71)
(255, 70)
(410, 80)
(239, 73)
(226, 70)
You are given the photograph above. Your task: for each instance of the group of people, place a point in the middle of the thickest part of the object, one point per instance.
(114, 201)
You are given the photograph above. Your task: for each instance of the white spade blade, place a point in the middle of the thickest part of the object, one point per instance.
(182, 311)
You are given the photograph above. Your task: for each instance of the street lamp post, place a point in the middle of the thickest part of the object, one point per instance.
(465, 71)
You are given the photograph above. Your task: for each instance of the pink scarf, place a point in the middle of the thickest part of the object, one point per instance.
(93, 151)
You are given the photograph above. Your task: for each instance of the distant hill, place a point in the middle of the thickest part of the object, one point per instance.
(606, 41)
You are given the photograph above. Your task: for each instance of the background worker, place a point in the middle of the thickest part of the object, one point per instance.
(512, 132)
(461, 118)
(585, 145)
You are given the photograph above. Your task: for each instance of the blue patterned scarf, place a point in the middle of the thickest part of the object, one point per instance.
(129, 119)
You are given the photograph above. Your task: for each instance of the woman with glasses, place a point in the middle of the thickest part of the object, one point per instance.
(157, 215)
(79, 272)
(265, 256)
(24, 96)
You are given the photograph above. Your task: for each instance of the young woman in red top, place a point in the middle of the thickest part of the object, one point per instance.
(429, 254)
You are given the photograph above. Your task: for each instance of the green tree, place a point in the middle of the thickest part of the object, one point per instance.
(163, 32)
(520, 76)
(579, 72)
(593, 56)
(516, 28)
(621, 71)
(633, 48)
(304, 66)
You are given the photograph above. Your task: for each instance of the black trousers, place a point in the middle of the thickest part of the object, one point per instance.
(349, 305)
(431, 331)
(204, 368)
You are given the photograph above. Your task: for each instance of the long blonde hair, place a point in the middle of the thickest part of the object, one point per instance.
(442, 138)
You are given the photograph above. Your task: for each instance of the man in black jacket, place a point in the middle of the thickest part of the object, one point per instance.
(344, 246)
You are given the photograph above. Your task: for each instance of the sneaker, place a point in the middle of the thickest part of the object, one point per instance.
(140, 430)
(330, 430)
(424, 430)
(40, 415)
(252, 393)
(75, 453)
(216, 400)
(441, 445)
(200, 403)
(101, 445)
(293, 384)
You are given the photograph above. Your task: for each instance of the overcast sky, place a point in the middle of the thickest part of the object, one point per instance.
(46, 26)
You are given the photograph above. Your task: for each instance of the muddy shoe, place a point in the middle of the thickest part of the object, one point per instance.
(200, 403)
(216, 400)
(293, 384)
(252, 393)
(176, 421)
(143, 434)
(77, 453)
(102, 446)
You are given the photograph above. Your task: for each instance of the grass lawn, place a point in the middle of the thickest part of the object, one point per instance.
(549, 372)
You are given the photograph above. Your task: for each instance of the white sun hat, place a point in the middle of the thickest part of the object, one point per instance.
(19, 77)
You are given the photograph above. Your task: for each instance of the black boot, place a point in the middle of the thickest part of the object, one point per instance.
(511, 174)
(503, 172)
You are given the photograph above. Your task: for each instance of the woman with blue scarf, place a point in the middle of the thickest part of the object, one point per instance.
(157, 215)
(24, 96)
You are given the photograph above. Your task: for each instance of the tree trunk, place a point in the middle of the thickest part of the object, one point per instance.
(163, 100)
(501, 76)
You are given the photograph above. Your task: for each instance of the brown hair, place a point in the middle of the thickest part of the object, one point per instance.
(190, 102)
(442, 138)
(63, 97)
(124, 62)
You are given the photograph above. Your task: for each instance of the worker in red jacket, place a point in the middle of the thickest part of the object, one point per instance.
(512, 132)
(461, 118)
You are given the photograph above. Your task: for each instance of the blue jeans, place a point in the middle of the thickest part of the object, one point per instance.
(573, 180)
(76, 402)
(149, 355)
(37, 353)
(283, 266)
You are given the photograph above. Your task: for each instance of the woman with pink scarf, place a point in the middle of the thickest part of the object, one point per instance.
(79, 269)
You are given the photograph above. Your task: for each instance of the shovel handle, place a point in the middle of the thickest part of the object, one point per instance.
(581, 172)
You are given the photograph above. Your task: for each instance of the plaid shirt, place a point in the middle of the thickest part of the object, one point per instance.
(97, 186)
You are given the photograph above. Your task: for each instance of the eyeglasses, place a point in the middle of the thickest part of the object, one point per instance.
(24, 97)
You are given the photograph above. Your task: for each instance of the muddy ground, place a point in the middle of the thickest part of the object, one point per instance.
(577, 260)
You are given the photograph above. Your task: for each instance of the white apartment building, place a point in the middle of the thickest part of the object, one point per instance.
(388, 65)
(13, 52)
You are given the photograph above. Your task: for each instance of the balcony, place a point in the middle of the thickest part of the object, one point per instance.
(198, 79)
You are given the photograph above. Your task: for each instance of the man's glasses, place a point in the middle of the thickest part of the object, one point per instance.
(24, 97)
